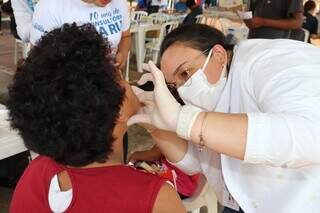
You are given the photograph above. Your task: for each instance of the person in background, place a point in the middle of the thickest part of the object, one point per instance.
(186, 184)
(275, 19)
(156, 5)
(142, 5)
(23, 11)
(71, 106)
(310, 23)
(200, 2)
(110, 17)
(210, 3)
(7, 8)
(195, 10)
(151, 6)
(160, 3)
(181, 6)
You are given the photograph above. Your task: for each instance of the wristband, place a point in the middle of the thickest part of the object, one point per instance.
(187, 117)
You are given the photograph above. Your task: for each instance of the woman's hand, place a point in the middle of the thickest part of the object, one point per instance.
(159, 108)
(148, 116)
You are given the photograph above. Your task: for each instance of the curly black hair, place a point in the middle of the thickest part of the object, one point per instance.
(65, 98)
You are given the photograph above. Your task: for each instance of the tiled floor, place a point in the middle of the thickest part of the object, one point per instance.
(138, 138)
(6, 51)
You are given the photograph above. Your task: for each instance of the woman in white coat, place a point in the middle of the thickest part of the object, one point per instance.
(251, 122)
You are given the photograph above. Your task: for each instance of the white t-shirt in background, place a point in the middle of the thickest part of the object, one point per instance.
(23, 11)
(110, 21)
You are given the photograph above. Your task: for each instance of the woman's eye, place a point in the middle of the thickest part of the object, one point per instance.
(185, 73)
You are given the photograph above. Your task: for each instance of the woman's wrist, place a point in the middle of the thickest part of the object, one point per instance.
(171, 145)
(187, 117)
(196, 128)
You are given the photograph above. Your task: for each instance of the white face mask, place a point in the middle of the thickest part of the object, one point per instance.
(200, 92)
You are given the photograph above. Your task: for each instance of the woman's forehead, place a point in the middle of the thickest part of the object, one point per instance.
(178, 47)
(175, 55)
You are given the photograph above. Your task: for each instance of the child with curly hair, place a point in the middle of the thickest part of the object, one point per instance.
(70, 105)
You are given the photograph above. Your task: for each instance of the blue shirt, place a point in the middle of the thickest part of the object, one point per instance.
(30, 5)
(142, 3)
(180, 7)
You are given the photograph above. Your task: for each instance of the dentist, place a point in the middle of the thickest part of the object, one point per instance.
(251, 123)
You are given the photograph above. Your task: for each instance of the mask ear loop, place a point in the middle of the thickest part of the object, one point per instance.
(223, 73)
(207, 60)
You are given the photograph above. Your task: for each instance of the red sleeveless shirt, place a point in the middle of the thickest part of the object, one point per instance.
(106, 189)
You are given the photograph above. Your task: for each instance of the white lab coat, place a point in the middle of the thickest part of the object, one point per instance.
(277, 83)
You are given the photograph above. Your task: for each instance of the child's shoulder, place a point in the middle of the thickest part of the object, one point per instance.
(42, 165)
(43, 161)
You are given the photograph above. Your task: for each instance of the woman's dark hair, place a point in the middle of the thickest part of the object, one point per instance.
(309, 5)
(65, 98)
(197, 36)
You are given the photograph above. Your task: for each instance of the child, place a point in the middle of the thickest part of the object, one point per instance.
(70, 106)
(186, 185)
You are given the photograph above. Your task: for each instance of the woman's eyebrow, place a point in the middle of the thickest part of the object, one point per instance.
(177, 69)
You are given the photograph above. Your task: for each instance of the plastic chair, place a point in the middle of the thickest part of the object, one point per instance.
(154, 47)
(159, 18)
(179, 18)
(206, 19)
(229, 4)
(203, 197)
(127, 67)
(136, 15)
(25, 49)
(225, 25)
(239, 31)
(306, 35)
(199, 19)
(7, 19)
(10, 141)
(211, 21)
(13, 143)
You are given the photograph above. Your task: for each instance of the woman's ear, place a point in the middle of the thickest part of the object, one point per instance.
(220, 54)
